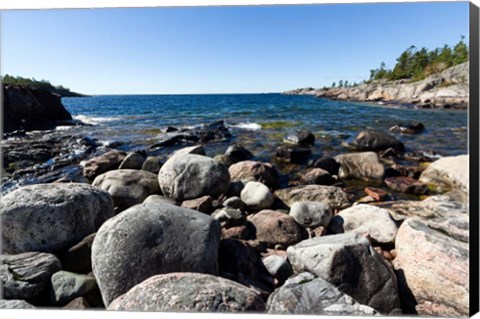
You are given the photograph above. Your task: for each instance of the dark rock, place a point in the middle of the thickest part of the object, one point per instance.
(246, 171)
(301, 138)
(234, 202)
(27, 275)
(237, 153)
(78, 258)
(132, 161)
(408, 128)
(150, 239)
(327, 163)
(406, 185)
(278, 267)
(374, 140)
(294, 155)
(52, 217)
(230, 217)
(152, 164)
(32, 109)
(189, 292)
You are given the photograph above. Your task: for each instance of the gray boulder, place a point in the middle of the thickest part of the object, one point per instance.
(366, 219)
(311, 214)
(256, 196)
(15, 304)
(159, 199)
(27, 275)
(189, 292)
(278, 267)
(349, 262)
(128, 186)
(67, 286)
(333, 196)
(307, 294)
(150, 239)
(374, 140)
(132, 161)
(191, 176)
(366, 166)
(448, 173)
(152, 164)
(51, 217)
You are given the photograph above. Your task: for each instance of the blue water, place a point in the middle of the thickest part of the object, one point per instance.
(138, 120)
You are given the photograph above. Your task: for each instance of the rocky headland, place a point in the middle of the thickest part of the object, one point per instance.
(446, 89)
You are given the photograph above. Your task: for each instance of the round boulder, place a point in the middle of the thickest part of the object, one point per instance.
(311, 214)
(52, 217)
(246, 171)
(150, 239)
(257, 196)
(128, 186)
(191, 176)
(189, 292)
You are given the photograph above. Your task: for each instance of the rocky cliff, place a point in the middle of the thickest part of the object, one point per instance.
(447, 89)
(32, 109)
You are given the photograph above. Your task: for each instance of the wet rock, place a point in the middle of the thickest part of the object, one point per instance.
(432, 261)
(152, 164)
(236, 153)
(406, 185)
(301, 138)
(203, 204)
(377, 194)
(278, 267)
(187, 292)
(132, 161)
(373, 140)
(128, 187)
(327, 163)
(240, 262)
(27, 275)
(307, 294)
(349, 262)
(292, 154)
(78, 258)
(408, 128)
(15, 304)
(366, 166)
(67, 286)
(256, 196)
(316, 176)
(331, 195)
(448, 173)
(103, 163)
(230, 217)
(366, 219)
(254, 171)
(311, 214)
(144, 240)
(51, 217)
(234, 202)
(276, 228)
(191, 176)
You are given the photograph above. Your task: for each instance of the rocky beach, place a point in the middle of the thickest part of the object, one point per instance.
(197, 219)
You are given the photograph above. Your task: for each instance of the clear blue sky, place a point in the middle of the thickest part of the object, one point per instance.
(219, 49)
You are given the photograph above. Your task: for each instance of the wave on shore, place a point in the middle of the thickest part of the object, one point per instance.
(247, 126)
(94, 120)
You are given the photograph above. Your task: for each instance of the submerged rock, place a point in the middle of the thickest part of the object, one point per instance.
(374, 140)
(301, 138)
(187, 292)
(408, 128)
(150, 239)
(52, 217)
(292, 154)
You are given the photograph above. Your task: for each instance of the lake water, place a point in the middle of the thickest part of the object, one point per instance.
(259, 121)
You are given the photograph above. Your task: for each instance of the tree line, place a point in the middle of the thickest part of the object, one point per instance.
(37, 84)
(416, 64)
